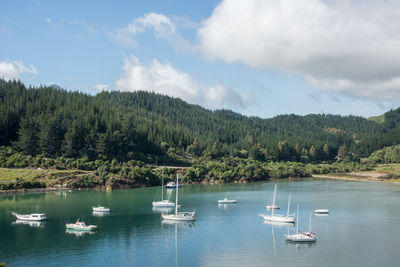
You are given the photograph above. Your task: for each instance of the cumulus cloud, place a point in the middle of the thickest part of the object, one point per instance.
(348, 46)
(162, 26)
(10, 70)
(164, 79)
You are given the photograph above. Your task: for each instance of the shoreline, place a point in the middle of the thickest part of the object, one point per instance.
(352, 178)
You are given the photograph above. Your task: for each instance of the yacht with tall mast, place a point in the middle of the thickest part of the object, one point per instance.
(302, 236)
(164, 203)
(179, 216)
(289, 218)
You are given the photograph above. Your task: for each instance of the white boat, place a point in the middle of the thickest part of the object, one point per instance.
(164, 203)
(80, 226)
(289, 218)
(100, 209)
(179, 216)
(273, 206)
(226, 200)
(30, 217)
(302, 236)
(321, 211)
(172, 185)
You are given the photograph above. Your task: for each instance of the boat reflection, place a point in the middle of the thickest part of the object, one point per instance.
(178, 223)
(321, 214)
(78, 233)
(279, 224)
(100, 213)
(30, 223)
(163, 209)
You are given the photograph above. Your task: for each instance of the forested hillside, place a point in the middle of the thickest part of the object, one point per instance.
(144, 126)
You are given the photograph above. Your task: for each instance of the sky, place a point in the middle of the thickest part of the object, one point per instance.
(256, 57)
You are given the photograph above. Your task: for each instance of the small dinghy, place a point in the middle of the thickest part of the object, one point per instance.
(226, 200)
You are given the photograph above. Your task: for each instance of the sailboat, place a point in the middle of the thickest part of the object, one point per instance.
(273, 206)
(164, 203)
(179, 216)
(289, 218)
(302, 236)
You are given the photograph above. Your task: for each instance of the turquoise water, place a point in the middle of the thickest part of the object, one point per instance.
(362, 228)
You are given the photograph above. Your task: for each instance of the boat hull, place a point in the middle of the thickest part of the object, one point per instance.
(227, 201)
(163, 204)
(184, 216)
(30, 217)
(274, 218)
(301, 238)
(101, 209)
(321, 211)
(80, 228)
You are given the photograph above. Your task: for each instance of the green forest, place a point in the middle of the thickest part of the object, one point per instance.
(43, 124)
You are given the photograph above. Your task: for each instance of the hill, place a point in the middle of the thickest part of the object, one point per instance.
(146, 126)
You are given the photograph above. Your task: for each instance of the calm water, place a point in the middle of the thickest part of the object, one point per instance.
(362, 228)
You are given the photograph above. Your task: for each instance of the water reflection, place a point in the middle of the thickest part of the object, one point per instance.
(78, 233)
(163, 209)
(178, 223)
(321, 214)
(30, 223)
(101, 213)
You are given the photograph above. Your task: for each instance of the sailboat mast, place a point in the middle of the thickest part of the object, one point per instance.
(176, 195)
(309, 224)
(297, 223)
(288, 207)
(273, 202)
(162, 185)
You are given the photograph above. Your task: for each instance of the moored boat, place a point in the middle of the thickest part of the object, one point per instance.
(101, 209)
(179, 216)
(302, 236)
(80, 226)
(163, 203)
(30, 217)
(321, 211)
(172, 185)
(226, 200)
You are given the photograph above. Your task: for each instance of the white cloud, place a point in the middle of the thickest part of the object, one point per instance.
(348, 46)
(101, 87)
(164, 79)
(48, 20)
(162, 26)
(10, 70)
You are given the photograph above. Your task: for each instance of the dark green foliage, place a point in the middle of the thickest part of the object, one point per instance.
(386, 155)
(145, 126)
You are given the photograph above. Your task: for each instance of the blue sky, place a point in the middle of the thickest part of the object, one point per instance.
(257, 57)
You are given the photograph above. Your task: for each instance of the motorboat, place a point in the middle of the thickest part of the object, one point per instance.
(30, 217)
(179, 216)
(273, 206)
(226, 200)
(172, 185)
(302, 236)
(321, 211)
(80, 226)
(288, 218)
(163, 203)
(100, 209)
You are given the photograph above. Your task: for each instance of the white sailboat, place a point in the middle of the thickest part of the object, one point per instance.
(164, 203)
(179, 216)
(289, 218)
(302, 236)
(273, 206)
